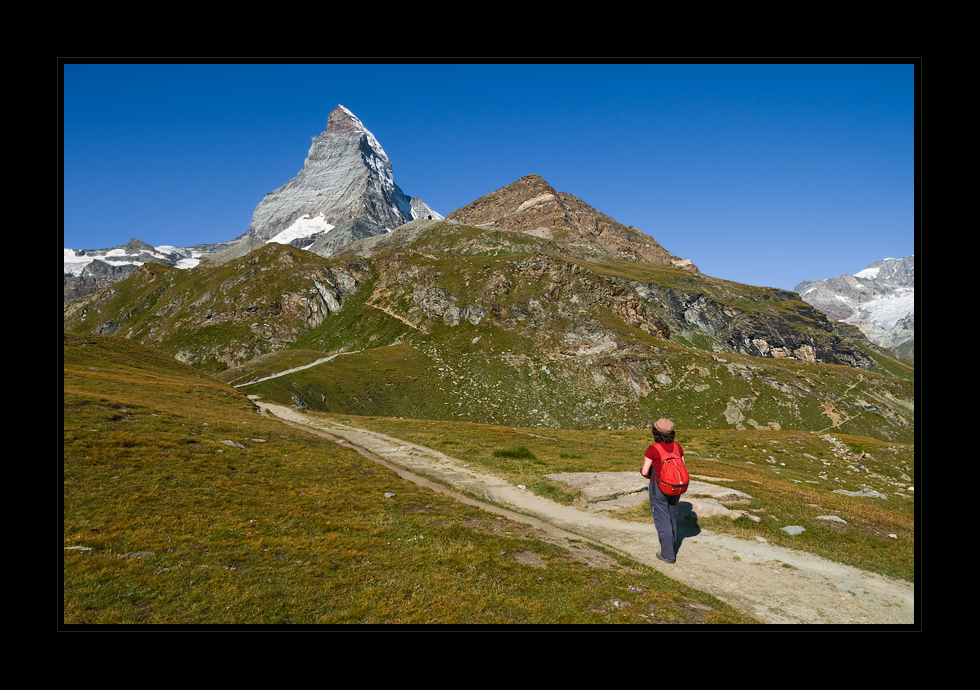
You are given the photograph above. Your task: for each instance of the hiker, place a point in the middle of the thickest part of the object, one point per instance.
(664, 506)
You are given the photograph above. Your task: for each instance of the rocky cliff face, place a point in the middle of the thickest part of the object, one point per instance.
(532, 206)
(346, 175)
(880, 300)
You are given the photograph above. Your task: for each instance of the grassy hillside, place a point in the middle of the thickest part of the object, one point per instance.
(182, 505)
(501, 380)
(458, 323)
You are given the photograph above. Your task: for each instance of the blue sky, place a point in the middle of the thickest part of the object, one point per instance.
(766, 174)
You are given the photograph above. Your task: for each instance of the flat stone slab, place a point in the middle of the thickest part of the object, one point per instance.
(863, 492)
(690, 509)
(719, 493)
(614, 490)
(606, 486)
(602, 486)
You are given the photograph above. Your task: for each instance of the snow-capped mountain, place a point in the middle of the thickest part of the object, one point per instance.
(880, 300)
(122, 260)
(346, 175)
(345, 184)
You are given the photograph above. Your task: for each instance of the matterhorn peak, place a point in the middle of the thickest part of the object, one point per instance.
(346, 175)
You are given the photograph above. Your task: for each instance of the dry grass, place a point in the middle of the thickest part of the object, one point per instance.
(181, 527)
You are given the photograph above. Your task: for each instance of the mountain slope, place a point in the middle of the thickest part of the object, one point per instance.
(183, 506)
(449, 321)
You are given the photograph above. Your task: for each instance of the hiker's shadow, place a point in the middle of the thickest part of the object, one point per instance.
(687, 522)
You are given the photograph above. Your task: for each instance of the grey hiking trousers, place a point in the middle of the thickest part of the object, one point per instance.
(664, 509)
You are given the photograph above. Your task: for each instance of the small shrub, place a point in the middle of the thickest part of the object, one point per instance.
(519, 452)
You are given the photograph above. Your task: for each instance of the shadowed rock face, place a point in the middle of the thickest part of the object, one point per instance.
(531, 205)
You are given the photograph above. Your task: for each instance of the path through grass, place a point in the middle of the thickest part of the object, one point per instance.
(181, 505)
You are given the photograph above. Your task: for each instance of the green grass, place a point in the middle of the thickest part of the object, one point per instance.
(280, 526)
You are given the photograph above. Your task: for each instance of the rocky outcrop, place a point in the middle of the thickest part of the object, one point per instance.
(532, 206)
(79, 286)
(260, 303)
(95, 276)
(762, 335)
(552, 289)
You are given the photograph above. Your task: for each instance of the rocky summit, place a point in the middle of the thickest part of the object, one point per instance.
(346, 175)
(344, 192)
(532, 206)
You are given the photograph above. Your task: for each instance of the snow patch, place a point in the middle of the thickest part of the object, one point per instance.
(870, 272)
(886, 312)
(170, 249)
(302, 227)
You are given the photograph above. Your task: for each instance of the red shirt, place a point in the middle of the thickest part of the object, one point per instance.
(653, 454)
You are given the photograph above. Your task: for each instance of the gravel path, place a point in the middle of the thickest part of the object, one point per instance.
(771, 583)
(294, 369)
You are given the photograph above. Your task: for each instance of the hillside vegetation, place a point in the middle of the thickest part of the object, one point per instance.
(453, 322)
(182, 505)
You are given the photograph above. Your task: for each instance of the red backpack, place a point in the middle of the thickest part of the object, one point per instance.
(673, 473)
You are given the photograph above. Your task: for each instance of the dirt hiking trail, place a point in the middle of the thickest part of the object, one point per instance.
(770, 583)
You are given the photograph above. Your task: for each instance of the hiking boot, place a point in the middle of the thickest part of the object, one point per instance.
(660, 557)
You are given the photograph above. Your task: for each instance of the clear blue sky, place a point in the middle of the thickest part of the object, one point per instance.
(765, 174)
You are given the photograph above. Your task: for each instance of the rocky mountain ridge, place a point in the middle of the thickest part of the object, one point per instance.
(532, 206)
(344, 191)
(346, 175)
(527, 306)
(880, 300)
(525, 335)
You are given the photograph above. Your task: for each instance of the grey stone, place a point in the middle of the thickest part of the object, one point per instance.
(831, 518)
(870, 493)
